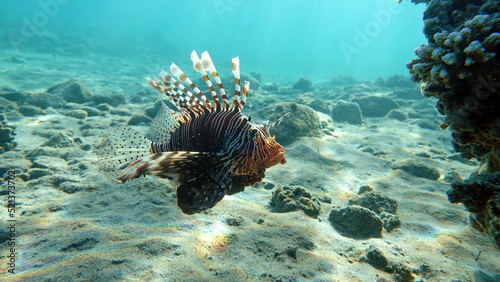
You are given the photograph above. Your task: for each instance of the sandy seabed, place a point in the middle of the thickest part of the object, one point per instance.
(75, 224)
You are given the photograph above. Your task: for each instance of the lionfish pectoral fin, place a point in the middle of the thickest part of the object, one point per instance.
(119, 148)
(204, 191)
(178, 165)
(163, 124)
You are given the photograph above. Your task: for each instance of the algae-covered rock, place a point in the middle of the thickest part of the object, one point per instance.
(72, 90)
(293, 198)
(347, 112)
(303, 121)
(356, 222)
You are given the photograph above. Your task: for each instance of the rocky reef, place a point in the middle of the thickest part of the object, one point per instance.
(460, 66)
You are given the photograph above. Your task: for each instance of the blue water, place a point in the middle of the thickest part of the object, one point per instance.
(293, 38)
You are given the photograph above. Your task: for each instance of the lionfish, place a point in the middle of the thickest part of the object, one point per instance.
(207, 147)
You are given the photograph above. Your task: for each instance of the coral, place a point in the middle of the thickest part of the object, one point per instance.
(480, 194)
(303, 121)
(460, 67)
(293, 198)
(6, 135)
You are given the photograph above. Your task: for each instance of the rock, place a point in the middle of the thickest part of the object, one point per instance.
(114, 99)
(38, 172)
(30, 111)
(390, 221)
(347, 112)
(59, 140)
(417, 168)
(452, 176)
(399, 80)
(233, 220)
(356, 222)
(375, 106)
(303, 85)
(375, 202)
(91, 112)
(138, 119)
(342, 80)
(7, 135)
(365, 188)
(375, 258)
(72, 90)
(79, 114)
(310, 100)
(46, 100)
(408, 94)
(303, 121)
(121, 112)
(397, 115)
(288, 199)
(270, 87)
(104, 107)
(426, 124)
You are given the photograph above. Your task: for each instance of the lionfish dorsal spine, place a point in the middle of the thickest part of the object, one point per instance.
(209, 66)
(198, 66)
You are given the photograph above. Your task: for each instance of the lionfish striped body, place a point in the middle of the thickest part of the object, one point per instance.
(207, 146)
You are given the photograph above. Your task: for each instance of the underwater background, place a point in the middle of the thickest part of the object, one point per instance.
(391, 143)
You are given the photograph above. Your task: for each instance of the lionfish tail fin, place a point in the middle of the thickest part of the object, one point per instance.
(119, 148)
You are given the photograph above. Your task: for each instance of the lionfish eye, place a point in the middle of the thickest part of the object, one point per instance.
(252, 133)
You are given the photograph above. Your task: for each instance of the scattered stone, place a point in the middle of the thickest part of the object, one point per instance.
(81, 245)
(390, 221)
(138, 119)
(293, 198)
(59, 140)
(452, 176)
(91, 112)
(342, 80)
(104, 107)
(70, 187)
(72, 90)
(397, 115)
(19, 97)
(7, 135)
(79, 114)
(121, 112)
(30, 111)
(46, 100)
(375, 106)
(417, 168)
(310, 100)
(375, 258)
(114, 99)
(233, 220)
(347, 112)
(271, 87)
(38, 172)
(375, 202)
(303, 85)
(356, 222)
(303, 121)
(365, 188)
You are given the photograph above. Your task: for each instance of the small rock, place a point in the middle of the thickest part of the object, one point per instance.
(375, 106)
(234, 220)
(342, 80)
(376, 258)
(271, 87)
(138, 119)
(356, 222)
(30, 111)
(104, 107)
(418, 169)
(365, 188)
(91, 112)
(72, 90)
(397, 115)
(114, 99)
(46, 100)
(399, 80)
(288, 199)
(38, 172)
(59, 140)
(303, 85)
(375, 202)
(121, 112)
(79, 114)
(452, 176)
(310, 100)
(390, 221)
(347, 112)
